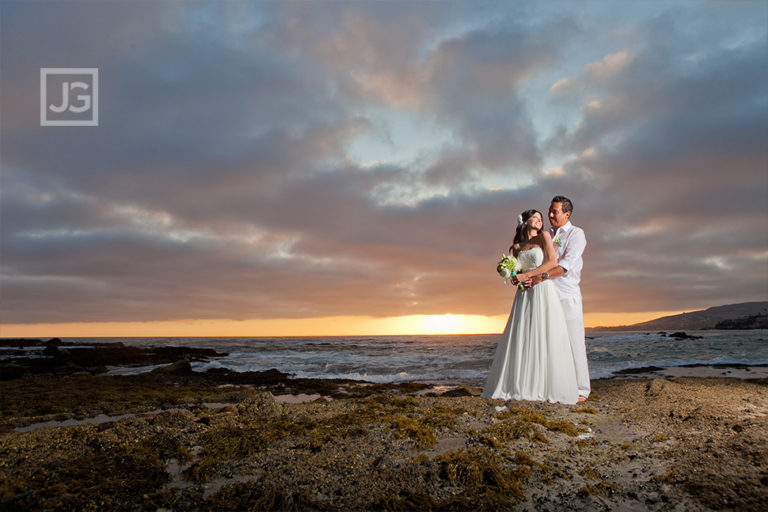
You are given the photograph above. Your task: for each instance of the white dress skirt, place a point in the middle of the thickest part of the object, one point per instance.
(533, 360)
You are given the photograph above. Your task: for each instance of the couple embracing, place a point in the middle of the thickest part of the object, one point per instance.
(542, 353)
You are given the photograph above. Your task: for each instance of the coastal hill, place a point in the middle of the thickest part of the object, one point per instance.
(747, 315)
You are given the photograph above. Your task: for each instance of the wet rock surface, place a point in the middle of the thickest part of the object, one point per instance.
(35, 357)
(683, 444)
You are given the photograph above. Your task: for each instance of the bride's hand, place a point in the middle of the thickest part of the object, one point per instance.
(529, 281)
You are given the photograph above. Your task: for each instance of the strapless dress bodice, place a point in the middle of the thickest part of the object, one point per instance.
(530, 259)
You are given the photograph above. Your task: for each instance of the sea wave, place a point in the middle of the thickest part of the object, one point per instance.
(448, 359)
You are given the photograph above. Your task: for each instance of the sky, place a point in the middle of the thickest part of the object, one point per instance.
(340, 167)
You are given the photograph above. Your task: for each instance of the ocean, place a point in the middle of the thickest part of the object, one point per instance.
(449, 359)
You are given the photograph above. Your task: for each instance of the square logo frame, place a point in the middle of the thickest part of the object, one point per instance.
(94, 95)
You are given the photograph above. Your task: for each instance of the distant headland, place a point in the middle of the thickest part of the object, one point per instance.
(746, 315)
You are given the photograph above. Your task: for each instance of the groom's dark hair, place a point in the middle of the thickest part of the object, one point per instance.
(567, 204)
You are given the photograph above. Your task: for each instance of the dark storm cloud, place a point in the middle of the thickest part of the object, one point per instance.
(219, 185)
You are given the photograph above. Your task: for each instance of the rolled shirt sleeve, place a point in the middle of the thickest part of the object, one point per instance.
(569, 256)
(574, 249)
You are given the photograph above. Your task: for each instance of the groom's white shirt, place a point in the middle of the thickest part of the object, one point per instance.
(569, 256)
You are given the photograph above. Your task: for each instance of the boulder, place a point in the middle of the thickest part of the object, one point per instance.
(178, 368)
(263, 404)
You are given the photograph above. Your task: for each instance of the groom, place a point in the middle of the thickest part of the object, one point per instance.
(569, 242)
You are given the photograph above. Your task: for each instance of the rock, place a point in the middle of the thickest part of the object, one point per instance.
(644, 369)
(95, 357)
(51, 350)
(178, 368)
(680, 335)
(655, 387)
(461, 391)
(263, 404)
(272, 377)
(11, 371)
(68, 368)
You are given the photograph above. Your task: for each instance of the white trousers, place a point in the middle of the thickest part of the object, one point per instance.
(574, 317)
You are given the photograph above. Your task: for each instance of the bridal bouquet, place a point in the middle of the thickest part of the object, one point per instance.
(508, 267)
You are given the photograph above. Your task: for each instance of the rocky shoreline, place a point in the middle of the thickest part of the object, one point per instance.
(22, 357)
(174, 439)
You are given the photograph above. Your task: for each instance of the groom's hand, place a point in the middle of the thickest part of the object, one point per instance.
(532, 281)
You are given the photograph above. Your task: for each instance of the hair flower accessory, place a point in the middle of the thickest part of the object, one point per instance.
(519, 220)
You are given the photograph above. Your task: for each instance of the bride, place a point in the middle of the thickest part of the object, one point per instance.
(533, 359)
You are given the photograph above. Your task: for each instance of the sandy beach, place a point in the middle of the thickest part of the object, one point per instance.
(175, 439)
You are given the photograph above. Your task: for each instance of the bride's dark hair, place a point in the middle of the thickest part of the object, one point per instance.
(521, 235)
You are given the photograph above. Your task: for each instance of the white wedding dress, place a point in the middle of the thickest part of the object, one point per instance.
(533, 359)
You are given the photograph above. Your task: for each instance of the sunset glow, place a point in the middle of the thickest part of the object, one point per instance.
(331, 326)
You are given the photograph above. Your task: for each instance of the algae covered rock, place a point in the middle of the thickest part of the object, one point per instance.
(462, 391)
(261, 405)
(178, 368)
(655, 387)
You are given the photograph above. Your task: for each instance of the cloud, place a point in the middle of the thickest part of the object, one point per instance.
(593, 74)
(222, 182)
(473, 84)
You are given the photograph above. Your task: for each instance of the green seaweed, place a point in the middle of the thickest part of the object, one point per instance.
(27, 401)
(520, 422)
(258, 496)
(83, 469)
(591, 473)
(234, 440)
(482, 476)
(599, 489)
(406, 500)
(585, 410)
(410, 427)
(85, 466)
